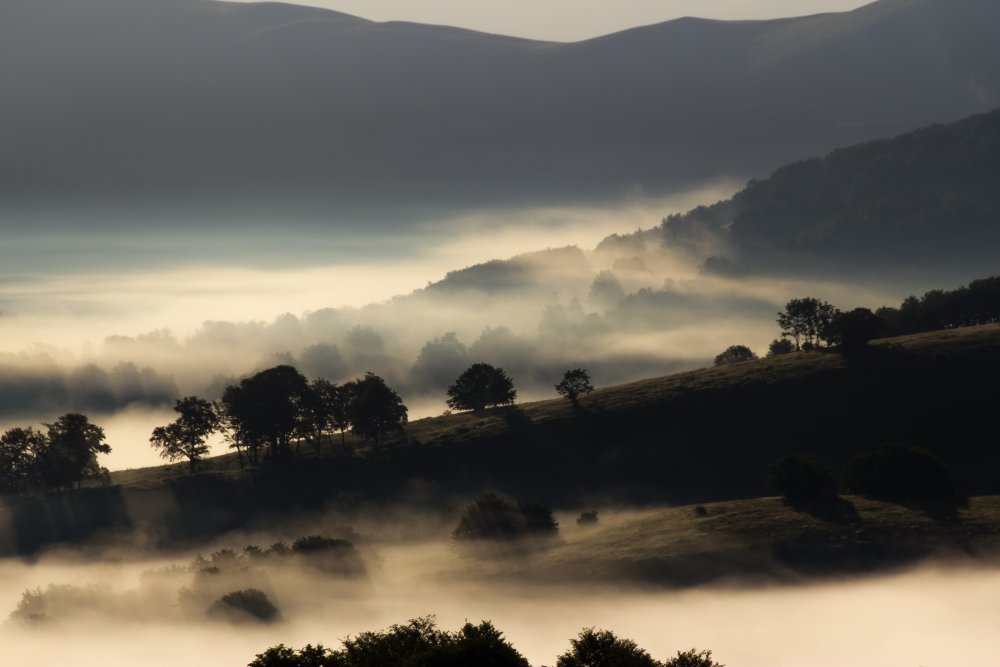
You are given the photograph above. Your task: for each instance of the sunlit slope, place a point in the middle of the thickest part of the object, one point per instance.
(762, 539)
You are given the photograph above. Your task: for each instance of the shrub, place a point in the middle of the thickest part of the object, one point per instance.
(735, 354)
(692, 658)
(493, 517)
(587, 518)
(600, 648)
(898, 471)
(247, 605)
(780, 346)
(799, 476)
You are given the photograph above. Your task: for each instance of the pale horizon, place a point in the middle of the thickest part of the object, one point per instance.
(568, 20)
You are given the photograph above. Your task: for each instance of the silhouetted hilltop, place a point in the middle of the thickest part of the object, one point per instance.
(249, 111)
(929, 196)
(529, 270)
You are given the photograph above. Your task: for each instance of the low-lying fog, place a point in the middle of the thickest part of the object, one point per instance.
(119, 341)
(930, 617)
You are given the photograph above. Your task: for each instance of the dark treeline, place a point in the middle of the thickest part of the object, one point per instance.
(264, 415)
(420, 643)
(977, 303)
(809, 323)
(39, 384)
(63, 455)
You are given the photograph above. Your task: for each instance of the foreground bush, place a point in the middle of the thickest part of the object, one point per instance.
(601, 648)
(493, 517)
(418, 643)
(735, 354)
(692, 658)
(898, 471)
(798, 476)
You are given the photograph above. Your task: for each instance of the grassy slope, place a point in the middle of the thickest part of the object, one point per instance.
(700, 436)
(761, 539)
(652, 396)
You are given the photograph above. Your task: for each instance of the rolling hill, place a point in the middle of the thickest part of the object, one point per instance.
(700, 436)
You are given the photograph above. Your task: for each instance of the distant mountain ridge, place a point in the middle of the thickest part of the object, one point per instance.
(271, 109)
(929, 197)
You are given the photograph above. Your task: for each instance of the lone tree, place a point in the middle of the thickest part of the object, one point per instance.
(735, 354)
(375, 408)
(187, 436)
(71, 454)
(481, 386)
(806, 320)
(574, 383)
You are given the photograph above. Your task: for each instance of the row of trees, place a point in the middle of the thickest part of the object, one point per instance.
(263, 415)
(60, 457)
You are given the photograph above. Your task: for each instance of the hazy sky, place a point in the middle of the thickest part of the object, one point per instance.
(569, 20)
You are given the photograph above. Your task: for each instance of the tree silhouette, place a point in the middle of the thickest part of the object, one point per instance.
(71, 454)
(852, 331)
(806, 320)
(780, 346)
(481, 386)
(375, 408)
(319, 404)
(232, 409)
(574, 383)
(20, 451)
(600, 648)
(735, 354)
(266, 409)
(187, 436)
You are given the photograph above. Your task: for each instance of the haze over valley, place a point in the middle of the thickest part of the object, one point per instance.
(645, 333)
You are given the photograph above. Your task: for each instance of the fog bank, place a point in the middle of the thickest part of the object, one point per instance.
(930, 616)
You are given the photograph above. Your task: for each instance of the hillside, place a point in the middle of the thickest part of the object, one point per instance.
(761, 540)
(926, 197)
(248, 111)
(701, 436)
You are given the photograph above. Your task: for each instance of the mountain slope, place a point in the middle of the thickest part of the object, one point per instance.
(926, 197)
(215, 106)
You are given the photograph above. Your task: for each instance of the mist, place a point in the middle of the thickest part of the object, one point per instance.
(121, 346)
(867, 622)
